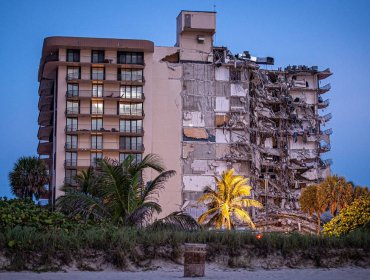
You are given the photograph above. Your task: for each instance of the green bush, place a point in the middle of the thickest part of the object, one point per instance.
(18, 212)
(355, 216)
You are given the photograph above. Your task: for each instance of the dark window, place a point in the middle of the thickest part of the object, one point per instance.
(130, 58)
(97, 57)
(70, 176)
(131, 143)
(71, 141)
(97, 142)
(73, 55)
(95, 157)
(135, 75)
(235, 74)
(123, 156)
(131, 126)
(72, 90)
(72, 124)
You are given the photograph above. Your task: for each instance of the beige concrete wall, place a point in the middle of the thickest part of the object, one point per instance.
(162, 123)
(60, 130)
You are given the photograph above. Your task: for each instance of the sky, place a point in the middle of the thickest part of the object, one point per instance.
(326, 33)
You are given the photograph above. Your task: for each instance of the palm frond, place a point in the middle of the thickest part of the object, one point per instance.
(176, 221)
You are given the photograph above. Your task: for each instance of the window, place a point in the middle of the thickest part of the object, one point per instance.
(97, 56)
(94, 158)
(131, 92)
(97, 142)
(70, 176)
(71, 142)
(123, 156)
(72, 90)
(97, 73)
(134, 109)
(73, 73)
(130, 75)
(71, 159)
(97, 107)
(73, 55)
(72, 107)
(131, 143)
(235, 74)
(71, 124)
(97, 90)
(130, 58)
(133, 126)
(96, 124)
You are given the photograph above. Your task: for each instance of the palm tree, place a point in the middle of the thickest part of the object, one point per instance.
(228, 202)
(28, 178)
(340, 193)
(314, 200)
(117, 192)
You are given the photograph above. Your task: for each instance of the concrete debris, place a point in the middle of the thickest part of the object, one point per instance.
(264, 124)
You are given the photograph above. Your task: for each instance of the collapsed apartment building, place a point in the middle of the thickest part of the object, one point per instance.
(206, 110)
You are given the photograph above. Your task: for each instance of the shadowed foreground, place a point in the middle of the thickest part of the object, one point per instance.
(176, 273)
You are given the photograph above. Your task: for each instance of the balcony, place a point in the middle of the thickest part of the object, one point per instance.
(70, 181)
(324, 74)
(70, 163)
(132, 148)
(113, 95)
(97, 76)
(52, 57)
(324, 147)
(328, 131)
(45, 148)
(45, 102)
(70, 145)
(46, 87)
(45, 118)
(325, 118)
(71, 128)
(323, 103)
(74, 76)
(324, 89)
(44, 132)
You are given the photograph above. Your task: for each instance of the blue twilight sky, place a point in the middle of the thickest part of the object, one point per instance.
(332, 33)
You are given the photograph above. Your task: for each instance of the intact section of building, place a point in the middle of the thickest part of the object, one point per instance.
(201, 108)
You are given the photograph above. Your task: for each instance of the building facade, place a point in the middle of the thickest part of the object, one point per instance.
(200, 107)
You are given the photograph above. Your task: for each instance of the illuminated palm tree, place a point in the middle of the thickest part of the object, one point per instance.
(228, 202)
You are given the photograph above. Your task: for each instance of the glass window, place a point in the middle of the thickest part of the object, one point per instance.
(72, 107)
(73, 73)
(97, 90)
(94, 158)
(131, 143)
(97, 73)
(72, 90)
(96, 124)
(137, 75)
(71, 124)
(130, 57)
(123, 156)
(124, 109)
(70, 176)
(71, 142)
(97, 107)
(97, 142)
(137, 109)
(97, 56)
(133, 126)
(73, 55)
(132, 92)
(71, 159)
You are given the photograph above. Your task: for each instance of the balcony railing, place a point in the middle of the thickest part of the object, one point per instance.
(105, 94)
(74, 76)
(87, 110)
(328, 131)
(70, 162)
(132, 147)
(325, 88)
(52, 57)
(97, 76)
(72, 111)
(326, 117)
(71, 127)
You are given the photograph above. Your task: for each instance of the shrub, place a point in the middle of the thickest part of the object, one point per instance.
(354, 216)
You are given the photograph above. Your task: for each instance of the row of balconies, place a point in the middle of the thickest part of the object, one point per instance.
(105, 129)
(87, 94)
(104, 146)
(131, 76)
(87, 111)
